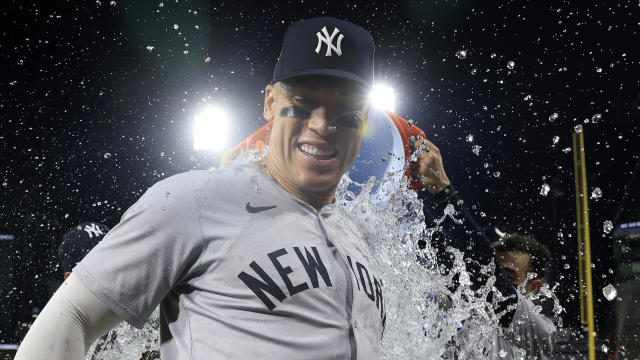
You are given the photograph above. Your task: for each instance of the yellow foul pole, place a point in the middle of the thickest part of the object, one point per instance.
(584, 243)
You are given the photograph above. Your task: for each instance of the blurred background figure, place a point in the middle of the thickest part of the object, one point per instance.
(77, 242)
(527, 262)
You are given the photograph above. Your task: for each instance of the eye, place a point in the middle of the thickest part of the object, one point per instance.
(303, 101)
(351, 120)
(295, 112)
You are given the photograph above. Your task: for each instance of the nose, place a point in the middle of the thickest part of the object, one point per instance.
(319, 122)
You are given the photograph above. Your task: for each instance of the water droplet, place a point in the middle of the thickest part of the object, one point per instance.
(566, 266)
(469, 138)
(502, 353)
(496, 174)
(257, 188)
(107, 155)
(599, 70)
(544, 189)
(555, 139)
(474, 71)
(150, 48)
(610, 292)
(553, 117)
(476, 149)
(577, 128)
(112, 3)
(607, 226)
(175, 26)
(527, 98)
(596, 117)
(566, 150)
(461, 54)
(605, 349)
(511, 65)
(412, 122)
(493, 55)
(596, 193)
(161, 4)
(207, 60)
(383, 159)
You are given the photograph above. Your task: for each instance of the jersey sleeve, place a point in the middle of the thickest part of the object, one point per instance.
(153, 249)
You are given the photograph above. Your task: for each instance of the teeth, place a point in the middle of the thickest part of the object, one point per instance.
(309, 149)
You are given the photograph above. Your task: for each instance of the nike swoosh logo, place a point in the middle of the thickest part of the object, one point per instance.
(258, 209)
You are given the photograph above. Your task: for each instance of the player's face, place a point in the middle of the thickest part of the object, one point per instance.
(515, 265)
(317, 129)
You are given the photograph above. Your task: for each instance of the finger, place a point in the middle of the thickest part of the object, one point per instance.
(421, 146)
(431, 145)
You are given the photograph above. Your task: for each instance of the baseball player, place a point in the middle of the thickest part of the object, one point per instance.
(77, 242)
(252, 261)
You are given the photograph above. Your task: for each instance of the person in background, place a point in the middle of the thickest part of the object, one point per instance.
(526, 262)
(77, 242)
(525, 318)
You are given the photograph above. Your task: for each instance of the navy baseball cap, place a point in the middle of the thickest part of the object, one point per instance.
(326, 46)
(78, 241)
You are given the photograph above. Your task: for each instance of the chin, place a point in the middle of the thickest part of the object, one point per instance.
(318, 183)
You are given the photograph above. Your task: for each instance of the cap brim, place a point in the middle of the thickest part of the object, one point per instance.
(327, 72)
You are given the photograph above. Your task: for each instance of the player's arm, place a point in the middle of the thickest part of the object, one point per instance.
(469, 238)
(70, 322)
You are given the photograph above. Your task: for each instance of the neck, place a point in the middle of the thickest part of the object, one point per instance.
(316, 199)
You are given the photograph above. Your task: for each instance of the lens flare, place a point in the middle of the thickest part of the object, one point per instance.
(210, 129)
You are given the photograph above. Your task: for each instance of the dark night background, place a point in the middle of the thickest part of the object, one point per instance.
(83, 79)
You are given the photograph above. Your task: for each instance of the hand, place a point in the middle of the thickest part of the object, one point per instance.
(430, 169)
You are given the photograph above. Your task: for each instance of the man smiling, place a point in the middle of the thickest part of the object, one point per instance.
(308, 157)
(251, 261)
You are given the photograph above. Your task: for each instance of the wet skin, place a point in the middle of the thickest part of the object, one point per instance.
(314, 114)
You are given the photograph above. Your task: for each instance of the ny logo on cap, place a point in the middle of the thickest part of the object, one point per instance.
(329, 41)
(93, 230)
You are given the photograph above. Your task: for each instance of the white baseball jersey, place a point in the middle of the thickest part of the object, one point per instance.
(241, 269)
(531, 335)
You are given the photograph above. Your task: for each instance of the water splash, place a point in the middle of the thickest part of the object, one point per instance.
(424, 310)
(127, 342)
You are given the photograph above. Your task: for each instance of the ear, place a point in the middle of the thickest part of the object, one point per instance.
(269, 103)
(534, 286)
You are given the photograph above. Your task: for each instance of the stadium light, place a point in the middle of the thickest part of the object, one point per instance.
(383, 97)
(210, 129)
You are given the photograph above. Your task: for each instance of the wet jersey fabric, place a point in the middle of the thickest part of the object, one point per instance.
(241, 269)
(531, 335)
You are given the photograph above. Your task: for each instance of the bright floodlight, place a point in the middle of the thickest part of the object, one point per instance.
(383, 97)
(210, 129)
